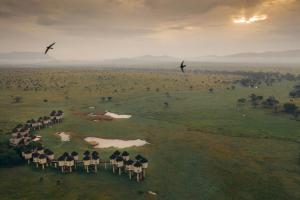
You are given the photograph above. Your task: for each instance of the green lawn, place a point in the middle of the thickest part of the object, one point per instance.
(202, 146)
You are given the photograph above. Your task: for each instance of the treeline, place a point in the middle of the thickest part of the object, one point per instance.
(255, 79)
(270, 103)
(295, 93)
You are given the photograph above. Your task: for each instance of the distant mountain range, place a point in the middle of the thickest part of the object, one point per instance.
(268, 54)
(289, 56)
(38, 58)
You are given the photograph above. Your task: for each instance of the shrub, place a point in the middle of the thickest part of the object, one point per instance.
(9, 156)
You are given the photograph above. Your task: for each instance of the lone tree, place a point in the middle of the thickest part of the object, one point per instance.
(290, 108)
(270, 102)
(255, 99)
(241, 101)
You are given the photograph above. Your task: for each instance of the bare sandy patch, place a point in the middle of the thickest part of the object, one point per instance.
(65, 137)
(117, 116)
(115, 143)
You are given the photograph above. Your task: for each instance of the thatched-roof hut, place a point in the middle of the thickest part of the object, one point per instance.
(112, 160)
(35, 158)
(95, 161)
(75, 155)
(129, 167)
(86, 153)
(117, 153)
(137, 169)
(69, 162)
(50, 154)
(86, 163)
(125, 155)
(40, 150)
(61, 162)
(27, 155)
(144, 163)
(119, 164)
(42, 160)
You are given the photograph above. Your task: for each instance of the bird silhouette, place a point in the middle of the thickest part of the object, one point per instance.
(182, 66)
(49, 47)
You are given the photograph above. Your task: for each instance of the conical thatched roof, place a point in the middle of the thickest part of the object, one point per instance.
(95, 153)
(19, 126)
(143, 160)
(112, 157)
(139, 157)
(40, 148)
(70, 158)
(27, 151)
(137, 164)
(61, 158)
(95, 157)
(119, 159)
(86, 153)
(49, 152)
(46, 118)
(117, 153)
(86, 158)
(53, 113)
(60, 112)
(35, 155)
(128, 162)
(125, 153)
(66, 154)
(42, 156)
(74, 153)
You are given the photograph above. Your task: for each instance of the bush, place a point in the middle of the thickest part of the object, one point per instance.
(9, 156)
(290, 108)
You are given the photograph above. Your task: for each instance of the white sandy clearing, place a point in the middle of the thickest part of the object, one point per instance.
(116, 116)
(37, 138)
(116, 143)
(63, 136)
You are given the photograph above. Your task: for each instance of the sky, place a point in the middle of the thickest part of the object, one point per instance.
(104, 29)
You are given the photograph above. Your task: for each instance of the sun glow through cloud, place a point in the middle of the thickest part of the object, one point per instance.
(253, 19)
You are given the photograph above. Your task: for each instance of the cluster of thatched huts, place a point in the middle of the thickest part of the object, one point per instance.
(22, 133)
(69, 162)
(123, 163)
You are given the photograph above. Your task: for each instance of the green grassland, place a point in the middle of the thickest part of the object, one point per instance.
(202, 146)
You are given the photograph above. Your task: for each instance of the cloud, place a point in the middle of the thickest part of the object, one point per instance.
(166, 22)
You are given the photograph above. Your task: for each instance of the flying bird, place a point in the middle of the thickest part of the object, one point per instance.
(49, 47)
(182, 66)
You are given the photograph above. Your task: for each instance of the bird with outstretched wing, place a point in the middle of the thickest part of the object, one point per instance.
(182, 66)
(49, 47)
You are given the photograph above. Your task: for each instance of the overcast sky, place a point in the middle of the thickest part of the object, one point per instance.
(99, 29)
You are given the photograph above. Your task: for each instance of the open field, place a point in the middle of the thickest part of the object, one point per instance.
(202, 145)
